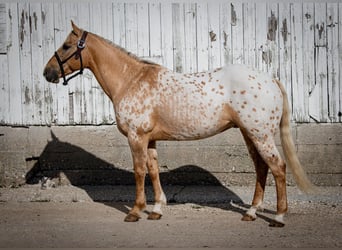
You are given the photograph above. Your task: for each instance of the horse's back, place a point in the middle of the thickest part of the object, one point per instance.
(205, 103)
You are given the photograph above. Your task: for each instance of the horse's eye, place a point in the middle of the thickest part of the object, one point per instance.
(66, 47)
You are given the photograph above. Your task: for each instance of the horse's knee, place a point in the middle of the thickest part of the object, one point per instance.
(139, 173)
(152, 154)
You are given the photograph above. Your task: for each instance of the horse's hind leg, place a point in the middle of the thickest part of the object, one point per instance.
(153, 171)
(267, 149)
(261, 169)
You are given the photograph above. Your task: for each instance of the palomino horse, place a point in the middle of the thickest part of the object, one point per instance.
(153, 103)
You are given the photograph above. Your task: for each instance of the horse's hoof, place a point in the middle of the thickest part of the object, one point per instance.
(154, 216)
(131, 218)
(247, 217)
(276, 224)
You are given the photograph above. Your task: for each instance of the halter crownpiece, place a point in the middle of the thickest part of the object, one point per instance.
(78, 55)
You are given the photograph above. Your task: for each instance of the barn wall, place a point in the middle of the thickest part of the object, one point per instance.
(298, 42)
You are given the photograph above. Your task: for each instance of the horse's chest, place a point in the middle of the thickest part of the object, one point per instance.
(134, 110)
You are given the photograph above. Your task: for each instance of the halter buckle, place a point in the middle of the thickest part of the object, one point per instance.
(81, 44)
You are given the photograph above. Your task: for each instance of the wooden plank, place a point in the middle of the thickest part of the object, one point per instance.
(119, 24)
(299, 109)
(131, 28)
(13, 57)
(27, 100)
(340, 59)
(155, 32)
(285, 47)
(4, 69)
(273, 39)
(237, 32)
(166, 36)
(143, 30)
(37, 64)
(308, 55)
(190, 38)
(320, 91)
(202, 37)
(4, 90)
(225, 33)
(249, 20)
(261, 37)
(48, 50)
(214, 37)
(178, 37)
(333, 63)
(3, 29)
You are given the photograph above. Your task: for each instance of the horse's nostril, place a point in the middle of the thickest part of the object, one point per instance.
(51, 75)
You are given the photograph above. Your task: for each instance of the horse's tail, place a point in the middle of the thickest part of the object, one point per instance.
(287, 143)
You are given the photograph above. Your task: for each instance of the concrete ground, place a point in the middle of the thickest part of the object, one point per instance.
(196, 216)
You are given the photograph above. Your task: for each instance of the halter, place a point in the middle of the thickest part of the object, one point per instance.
(77, 54)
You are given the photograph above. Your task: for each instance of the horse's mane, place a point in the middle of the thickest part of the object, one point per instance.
(130, 54)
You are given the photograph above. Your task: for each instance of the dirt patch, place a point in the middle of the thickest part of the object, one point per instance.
(311, 222)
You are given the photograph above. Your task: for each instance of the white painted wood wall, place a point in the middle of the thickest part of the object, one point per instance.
(298, 42)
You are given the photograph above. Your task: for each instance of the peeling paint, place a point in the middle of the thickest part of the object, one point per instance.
(320, 28)
(43, 17)
(233, 15)
(22, 29)
(225, 39)
(284, 30)
(267, 57)
(272, 27)
(27, 95)
(30, 24)
(9, 14)
(35, 18)
(212, 36)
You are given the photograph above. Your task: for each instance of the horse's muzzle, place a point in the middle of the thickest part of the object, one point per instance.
(51, 75)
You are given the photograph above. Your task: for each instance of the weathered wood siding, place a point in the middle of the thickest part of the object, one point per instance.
(298, 42)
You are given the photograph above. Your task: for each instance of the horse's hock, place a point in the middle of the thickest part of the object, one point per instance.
(99, 155)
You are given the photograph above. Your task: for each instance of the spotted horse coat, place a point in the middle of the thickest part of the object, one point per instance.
(153, 103)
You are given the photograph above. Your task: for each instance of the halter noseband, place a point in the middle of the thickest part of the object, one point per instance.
(77, 54)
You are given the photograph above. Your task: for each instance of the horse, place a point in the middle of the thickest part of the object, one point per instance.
(153, 103)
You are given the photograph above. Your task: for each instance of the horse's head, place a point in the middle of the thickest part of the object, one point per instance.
(68, 58)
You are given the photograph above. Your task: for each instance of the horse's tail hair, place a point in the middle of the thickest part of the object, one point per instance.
(288, 145)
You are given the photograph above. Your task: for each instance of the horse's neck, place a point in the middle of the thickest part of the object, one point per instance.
(113, 69)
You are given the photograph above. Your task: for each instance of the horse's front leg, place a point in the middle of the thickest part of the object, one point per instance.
(138, 147)
(153, 171)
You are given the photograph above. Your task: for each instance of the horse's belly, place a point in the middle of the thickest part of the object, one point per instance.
(188, 119)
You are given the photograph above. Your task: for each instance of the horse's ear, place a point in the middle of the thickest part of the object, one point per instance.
(75, 29)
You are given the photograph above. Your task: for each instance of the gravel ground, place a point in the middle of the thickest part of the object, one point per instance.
(197, 216)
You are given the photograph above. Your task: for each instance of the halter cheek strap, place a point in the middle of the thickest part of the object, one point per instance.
(77, 54)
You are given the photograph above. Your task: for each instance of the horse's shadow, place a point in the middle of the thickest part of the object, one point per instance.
(87, 170)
